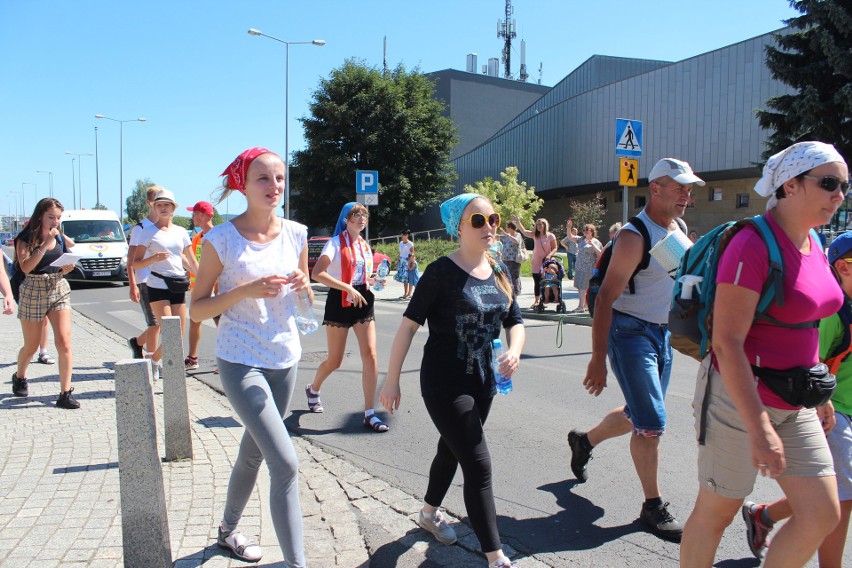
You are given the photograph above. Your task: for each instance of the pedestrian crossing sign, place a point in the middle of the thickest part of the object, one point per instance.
(628, 137)
(628, 172)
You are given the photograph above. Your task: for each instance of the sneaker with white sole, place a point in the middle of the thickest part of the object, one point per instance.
(436, 525)
(242, 547)
(503, 562)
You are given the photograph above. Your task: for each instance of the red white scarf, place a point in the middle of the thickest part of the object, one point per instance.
(349, 259)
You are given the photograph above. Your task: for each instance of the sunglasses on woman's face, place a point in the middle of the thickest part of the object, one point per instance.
(830, 183)
(477, 220)
(360, 215)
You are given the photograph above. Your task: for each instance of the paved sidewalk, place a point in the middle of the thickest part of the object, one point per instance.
(59, 493)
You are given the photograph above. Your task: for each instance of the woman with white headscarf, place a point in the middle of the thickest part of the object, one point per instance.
(748, 428)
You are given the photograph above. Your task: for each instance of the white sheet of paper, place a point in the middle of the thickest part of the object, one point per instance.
(66, 259)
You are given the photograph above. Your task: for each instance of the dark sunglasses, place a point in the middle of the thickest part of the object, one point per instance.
(477, 220)
(830, 183)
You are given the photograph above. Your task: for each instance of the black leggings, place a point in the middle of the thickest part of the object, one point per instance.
(536, 283)
(459, 419)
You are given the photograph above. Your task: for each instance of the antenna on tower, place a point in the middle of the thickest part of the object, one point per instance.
(522, 74)
(385, 56)
(539, 72)
(506, 29)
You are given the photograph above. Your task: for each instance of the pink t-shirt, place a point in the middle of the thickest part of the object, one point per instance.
(541, 248)
(810, 293)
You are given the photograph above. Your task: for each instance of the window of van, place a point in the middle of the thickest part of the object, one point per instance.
(98, 231)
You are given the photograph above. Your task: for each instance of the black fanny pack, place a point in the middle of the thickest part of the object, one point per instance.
(799, 386)
(175, 284)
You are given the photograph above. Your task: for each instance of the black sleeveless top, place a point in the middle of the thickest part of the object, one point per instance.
(43, 266)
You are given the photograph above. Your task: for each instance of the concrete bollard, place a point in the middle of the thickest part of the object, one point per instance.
(175, 405)
(144, 521)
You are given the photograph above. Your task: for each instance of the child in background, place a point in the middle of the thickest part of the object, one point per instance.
(551, 279)
(412, 272)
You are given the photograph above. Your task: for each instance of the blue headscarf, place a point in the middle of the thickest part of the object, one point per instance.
(341, 220)
(451, 211)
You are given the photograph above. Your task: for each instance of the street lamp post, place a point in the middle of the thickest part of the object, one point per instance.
(287, 44)
(79, 175)
(17, 217)
(97, 173)
(121, 159)
(51, 179)
(35, 193)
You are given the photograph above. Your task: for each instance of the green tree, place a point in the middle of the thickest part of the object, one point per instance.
(363, 119)
(814, 59)
(184, 222)
(590, 211)
(137, 204)
(509, 196)
(100, 207)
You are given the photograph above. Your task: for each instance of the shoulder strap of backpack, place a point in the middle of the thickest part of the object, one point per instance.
(681, 224)
(773, 288)
(841, 352)
(639, 224)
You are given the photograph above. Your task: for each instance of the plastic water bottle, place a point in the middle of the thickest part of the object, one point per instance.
(381, 273)
(504, 384)
(306, 321)
(496, 249)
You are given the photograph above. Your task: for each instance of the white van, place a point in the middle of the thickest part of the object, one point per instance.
(98, 236)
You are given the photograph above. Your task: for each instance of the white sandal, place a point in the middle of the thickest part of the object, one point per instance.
(244, 548)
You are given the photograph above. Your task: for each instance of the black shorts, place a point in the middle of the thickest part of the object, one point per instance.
(145, 305)
(338, 316)
(161, 295)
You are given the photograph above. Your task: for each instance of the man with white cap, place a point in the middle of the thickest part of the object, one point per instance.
(631, 328)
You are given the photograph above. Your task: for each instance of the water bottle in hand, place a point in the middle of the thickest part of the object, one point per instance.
(306, 321)
(504, 384)
(381, 273)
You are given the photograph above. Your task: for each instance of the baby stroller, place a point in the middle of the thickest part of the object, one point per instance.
(552, 273)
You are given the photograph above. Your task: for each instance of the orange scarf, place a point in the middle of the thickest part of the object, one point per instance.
(348, 260)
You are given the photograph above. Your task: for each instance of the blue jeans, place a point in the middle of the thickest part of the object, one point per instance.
(260, 398)
(641, 359)
(572, 262)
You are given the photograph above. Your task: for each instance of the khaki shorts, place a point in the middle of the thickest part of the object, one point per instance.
(43, 293)
(724, 460)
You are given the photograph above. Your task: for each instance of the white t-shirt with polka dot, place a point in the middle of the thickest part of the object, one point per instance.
(259, 332)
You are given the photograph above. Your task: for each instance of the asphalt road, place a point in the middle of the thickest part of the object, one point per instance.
(541, 509)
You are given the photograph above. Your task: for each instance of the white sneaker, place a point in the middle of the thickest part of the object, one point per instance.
(436, 525)
(503, 562)
(243, 548)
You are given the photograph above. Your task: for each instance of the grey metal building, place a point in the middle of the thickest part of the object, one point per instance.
(700, 109)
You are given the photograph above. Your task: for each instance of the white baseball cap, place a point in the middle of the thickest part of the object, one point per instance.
(678, 170)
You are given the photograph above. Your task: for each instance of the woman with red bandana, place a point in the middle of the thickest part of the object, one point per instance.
(345, 266)
(259, 262)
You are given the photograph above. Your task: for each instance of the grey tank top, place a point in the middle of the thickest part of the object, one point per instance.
(654, 286)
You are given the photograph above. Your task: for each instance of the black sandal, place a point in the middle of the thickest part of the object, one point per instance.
(375, 424)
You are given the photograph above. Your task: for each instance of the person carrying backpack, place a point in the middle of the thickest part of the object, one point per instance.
(630, 325)
(761, 373)
(835, 345)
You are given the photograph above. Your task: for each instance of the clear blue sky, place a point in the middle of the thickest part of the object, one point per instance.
(210, 90)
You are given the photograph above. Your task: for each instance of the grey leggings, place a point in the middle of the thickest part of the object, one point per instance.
(260, 398)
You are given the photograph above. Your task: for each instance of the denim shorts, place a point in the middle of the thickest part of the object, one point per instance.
(641, 359)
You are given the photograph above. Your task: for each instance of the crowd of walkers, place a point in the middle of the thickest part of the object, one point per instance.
(247, 272)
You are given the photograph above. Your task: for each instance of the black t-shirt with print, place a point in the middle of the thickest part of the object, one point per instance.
(464, 315)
